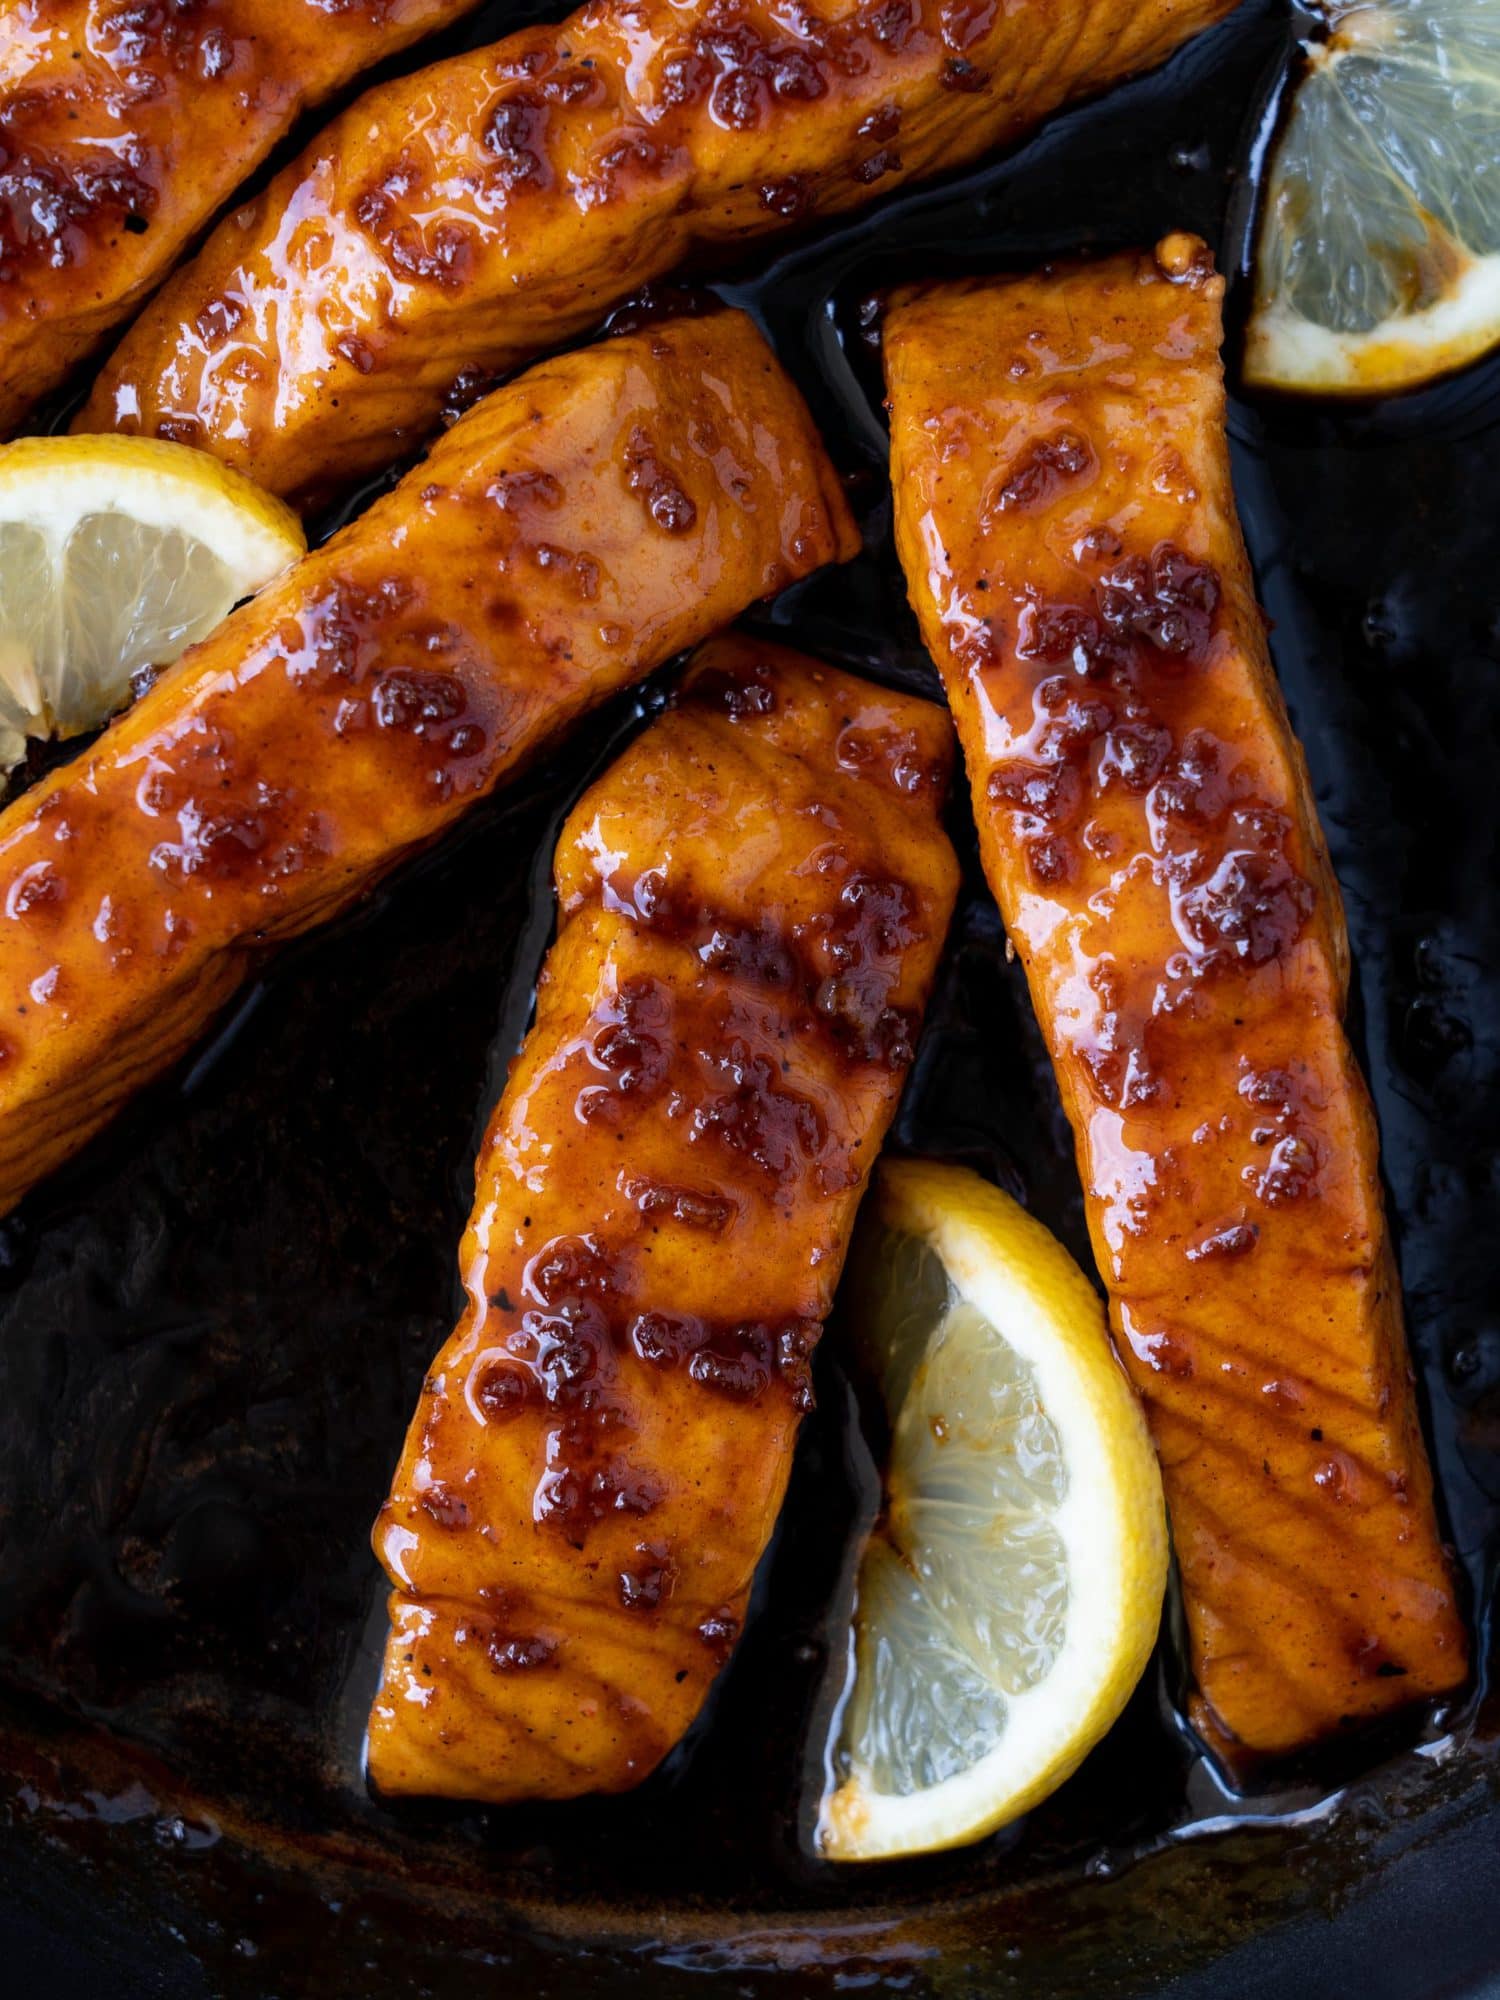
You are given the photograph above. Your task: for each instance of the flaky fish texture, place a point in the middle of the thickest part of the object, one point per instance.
(453, 223)
(751, 907)
(1065, 520)
(575, 530)
(125, 129)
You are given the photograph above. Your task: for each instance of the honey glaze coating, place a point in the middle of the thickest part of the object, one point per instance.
(1067, 527)
(751, 907)
(385, 683)
(455, 222)
(124, 128)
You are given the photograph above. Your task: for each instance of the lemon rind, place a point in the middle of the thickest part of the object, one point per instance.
(1285, 351)
(162, 485)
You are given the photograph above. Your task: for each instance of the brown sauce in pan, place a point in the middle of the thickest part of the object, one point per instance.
(213, 1327)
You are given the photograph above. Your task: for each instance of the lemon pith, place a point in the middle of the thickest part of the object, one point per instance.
(1378, 266)
(1010, 1597)
(117, 554)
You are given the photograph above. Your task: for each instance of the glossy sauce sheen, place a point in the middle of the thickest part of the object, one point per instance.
(125, 127)
(451, 224)
(574, 531)
(752, 904)
(1066, 523)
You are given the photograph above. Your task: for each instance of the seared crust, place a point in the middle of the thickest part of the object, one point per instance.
(575, 530)
(752, 903)
(124, 130)
(1066, 523)
(453, 223)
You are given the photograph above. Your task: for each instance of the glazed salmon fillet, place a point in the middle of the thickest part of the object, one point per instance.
(454, 223)
(751, 905)
(125, 129)
(1068, 532)
(573, 531)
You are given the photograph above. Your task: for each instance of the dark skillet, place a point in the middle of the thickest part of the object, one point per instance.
(214, 1324)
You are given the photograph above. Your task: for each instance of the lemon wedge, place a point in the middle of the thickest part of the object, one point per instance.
(116, 554)
(1010, 1595)
(1378, 265)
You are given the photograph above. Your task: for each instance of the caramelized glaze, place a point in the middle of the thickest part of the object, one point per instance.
(125, 128)
(1066, 523)
(750, 919)
(452, 223)
(365, 700)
